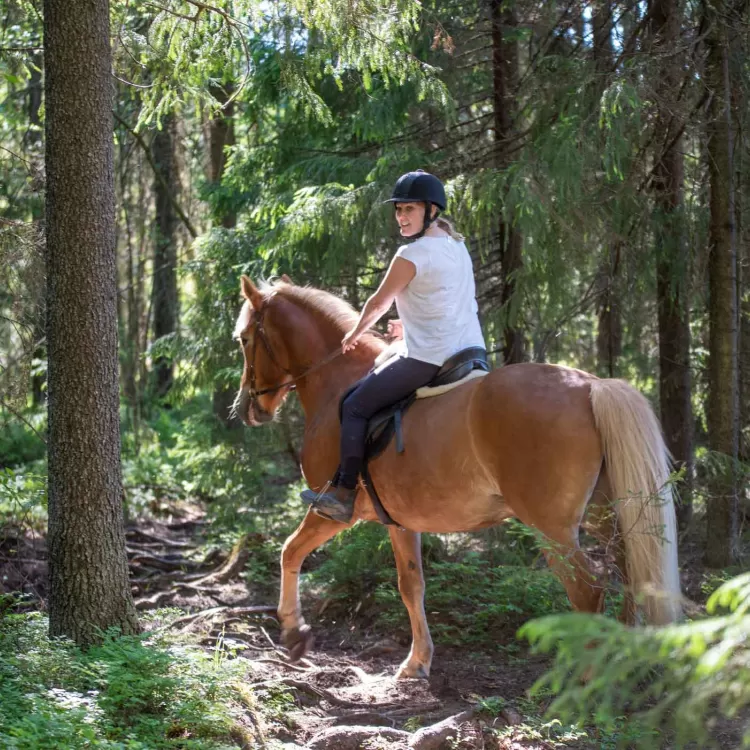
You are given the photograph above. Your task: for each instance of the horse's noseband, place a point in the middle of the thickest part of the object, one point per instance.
(260, 333)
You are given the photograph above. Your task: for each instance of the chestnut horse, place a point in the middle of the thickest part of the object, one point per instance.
(534, 441)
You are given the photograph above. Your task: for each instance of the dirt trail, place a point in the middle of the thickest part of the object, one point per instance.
(343, 694)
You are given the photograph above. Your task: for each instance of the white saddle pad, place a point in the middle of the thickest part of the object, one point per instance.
(398, 349)
(427, 392)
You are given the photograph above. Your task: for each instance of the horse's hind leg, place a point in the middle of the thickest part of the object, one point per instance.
(310, 534)
(407, 549)
(569, 563)
(566, 559)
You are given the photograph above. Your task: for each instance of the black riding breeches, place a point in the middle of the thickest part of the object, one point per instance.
(383, 386)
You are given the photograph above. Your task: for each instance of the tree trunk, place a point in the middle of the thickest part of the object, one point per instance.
(722, 407)
(609, 316)
(89, 588)
(221, 135)
(505, 81)
(164, 297)
(609, 319)
(34, 140)
(743, 287)
(671, 252)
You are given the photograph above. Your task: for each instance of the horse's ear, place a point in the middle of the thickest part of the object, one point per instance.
(250, 292)
(286, 279)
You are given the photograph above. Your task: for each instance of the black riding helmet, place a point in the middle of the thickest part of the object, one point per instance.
(420, 187)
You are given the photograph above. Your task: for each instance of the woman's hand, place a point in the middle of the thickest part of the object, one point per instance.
(350, 340)
(395, 330)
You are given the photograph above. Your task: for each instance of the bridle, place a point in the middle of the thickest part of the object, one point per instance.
(260, 333)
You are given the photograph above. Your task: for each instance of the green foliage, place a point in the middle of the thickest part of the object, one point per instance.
(185, 452)
(124, 694)
(23, 497)
(472, 602)
(19, 444)
(671, 678)
(469, 599)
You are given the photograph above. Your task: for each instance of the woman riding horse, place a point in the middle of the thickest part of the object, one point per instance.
(538, 442)
(432, 282)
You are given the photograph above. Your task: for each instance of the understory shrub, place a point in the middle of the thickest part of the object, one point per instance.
(126, 693)
(467, 596)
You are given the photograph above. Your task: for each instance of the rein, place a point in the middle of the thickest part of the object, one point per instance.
(291, 384)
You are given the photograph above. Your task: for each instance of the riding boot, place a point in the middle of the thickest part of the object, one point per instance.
(336, 504)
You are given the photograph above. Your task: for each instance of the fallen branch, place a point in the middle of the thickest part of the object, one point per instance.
(277, 649)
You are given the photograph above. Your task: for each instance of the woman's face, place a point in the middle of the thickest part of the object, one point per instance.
(410, 218)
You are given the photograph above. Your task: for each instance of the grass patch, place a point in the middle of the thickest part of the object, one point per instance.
(127, 693)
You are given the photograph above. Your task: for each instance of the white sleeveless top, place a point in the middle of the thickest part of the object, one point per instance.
(438, 307)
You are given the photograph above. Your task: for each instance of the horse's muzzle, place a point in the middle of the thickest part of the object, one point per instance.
(250, 412)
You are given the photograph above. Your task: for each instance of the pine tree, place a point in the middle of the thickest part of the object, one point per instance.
(89, 587)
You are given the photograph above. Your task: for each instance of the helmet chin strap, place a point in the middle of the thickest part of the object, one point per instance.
(428, 220)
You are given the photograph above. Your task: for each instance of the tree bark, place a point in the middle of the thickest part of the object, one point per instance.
(671, 252)
(505, 82)
(164, 295)
(89, 588)
(722, 407)
(34, 141)
(609, 319)
(221, 135)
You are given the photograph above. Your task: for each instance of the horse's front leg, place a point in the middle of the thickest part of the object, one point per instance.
(407, 548)
(310, 534)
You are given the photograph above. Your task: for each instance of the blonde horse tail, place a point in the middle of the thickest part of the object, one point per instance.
(638, 467)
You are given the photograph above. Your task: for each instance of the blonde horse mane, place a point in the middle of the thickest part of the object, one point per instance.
(330, 311)
(323, 305)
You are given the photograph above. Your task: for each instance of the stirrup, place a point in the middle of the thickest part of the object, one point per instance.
(328, 505)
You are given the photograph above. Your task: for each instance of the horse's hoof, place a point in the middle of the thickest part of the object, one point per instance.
(413, 672)
(298, 641)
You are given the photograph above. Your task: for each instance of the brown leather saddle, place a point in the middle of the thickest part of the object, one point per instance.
(387, 423)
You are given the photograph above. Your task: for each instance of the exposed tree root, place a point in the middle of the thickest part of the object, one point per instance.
(353, 738)
(322, 693)
(159, 599)
(163, 563)
(211, 611)
(433, 737)
(163, 541)
(232, 567)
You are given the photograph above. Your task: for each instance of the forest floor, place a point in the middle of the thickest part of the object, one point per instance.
(343, 694)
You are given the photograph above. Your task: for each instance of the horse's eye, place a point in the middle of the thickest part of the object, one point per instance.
(243, 341)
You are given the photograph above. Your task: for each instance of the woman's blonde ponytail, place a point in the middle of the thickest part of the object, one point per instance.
(448, 227)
